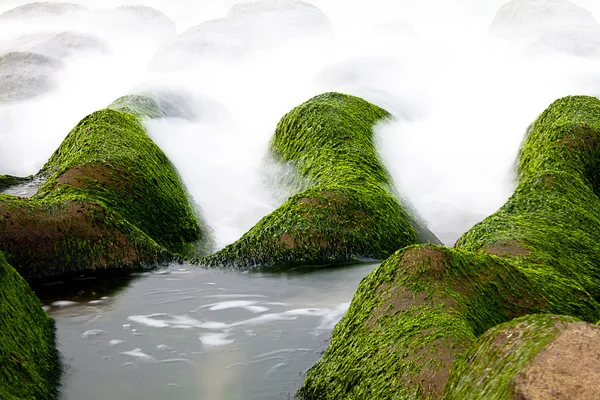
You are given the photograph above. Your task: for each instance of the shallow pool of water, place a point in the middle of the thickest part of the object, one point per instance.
(191, 333)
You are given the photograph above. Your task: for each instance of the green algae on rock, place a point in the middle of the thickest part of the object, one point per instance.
(29, 362)
(424, 306)
(536, 356)
(552, 219)
(416, 313)
(146, 106)
(112, 199)
(343, 206)
(7, 181)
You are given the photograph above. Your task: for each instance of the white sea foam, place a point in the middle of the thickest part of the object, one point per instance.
(215, 339)
(140, 355)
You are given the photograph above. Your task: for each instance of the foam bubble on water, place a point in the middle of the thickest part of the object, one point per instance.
(93, 333)
(233, 295)
(244, 304)
(317, 312)
(138, 354)
(148, 320)
(178, 360)
(215, 339)
(64, 303)
(330, 319)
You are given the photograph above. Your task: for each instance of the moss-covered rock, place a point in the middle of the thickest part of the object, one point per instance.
(41, 9)
(24, 75)
(532, 357)
(7, 181)
(29, 364)
(112, 199)
(343, 205)
(154, 105)
(424, 306)
(552, 219)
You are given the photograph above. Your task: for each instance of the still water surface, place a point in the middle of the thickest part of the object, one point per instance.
(191, 333)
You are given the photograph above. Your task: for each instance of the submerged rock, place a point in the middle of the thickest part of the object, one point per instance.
(343, 205)
(41, 9)
(29, 360)
(149, 21)
(25, 75)
(519, 17)
(112, 200)
(58, 44)
(549, 25)
(248, 27)
(153, 104)
(533, 357)
(426, 305)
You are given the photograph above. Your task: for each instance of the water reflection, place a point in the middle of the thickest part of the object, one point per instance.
(189, 332)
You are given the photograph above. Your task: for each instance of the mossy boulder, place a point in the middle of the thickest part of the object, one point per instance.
(40, 9)
(154, 105)
(29, 363)
(532, 357)
(422, 308)
(24, 75)
(247, 28)
(111, 199)
(57, 44)
(426, 305)
(7, 181)
(343, 205)
(552, 219)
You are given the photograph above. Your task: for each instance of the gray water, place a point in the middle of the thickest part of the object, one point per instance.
(189, 333)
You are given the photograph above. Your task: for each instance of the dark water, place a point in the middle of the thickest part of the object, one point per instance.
(190, 333)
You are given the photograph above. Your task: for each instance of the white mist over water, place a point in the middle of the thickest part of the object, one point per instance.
(462, 97)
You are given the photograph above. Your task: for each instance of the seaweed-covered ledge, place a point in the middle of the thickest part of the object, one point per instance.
(112, 199)
(343, 204)
(532, 357)
(422, 308)
(29, 362)
(7, 181)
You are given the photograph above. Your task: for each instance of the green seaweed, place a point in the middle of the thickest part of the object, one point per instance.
(488, 368)
(343, 206)
(417, 312)
(111, 199)
(29, 363)
(423, 307)
(551, 218)
(141, 105)
(7, 181)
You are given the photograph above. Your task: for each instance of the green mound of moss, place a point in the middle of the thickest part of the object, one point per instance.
(536, 356)
(111, 199)
(551, 218)
(141, 105)
(7, 181)
(424, 306)
(151, 106)
(343, 205)
(421, 309)
(29, 364)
